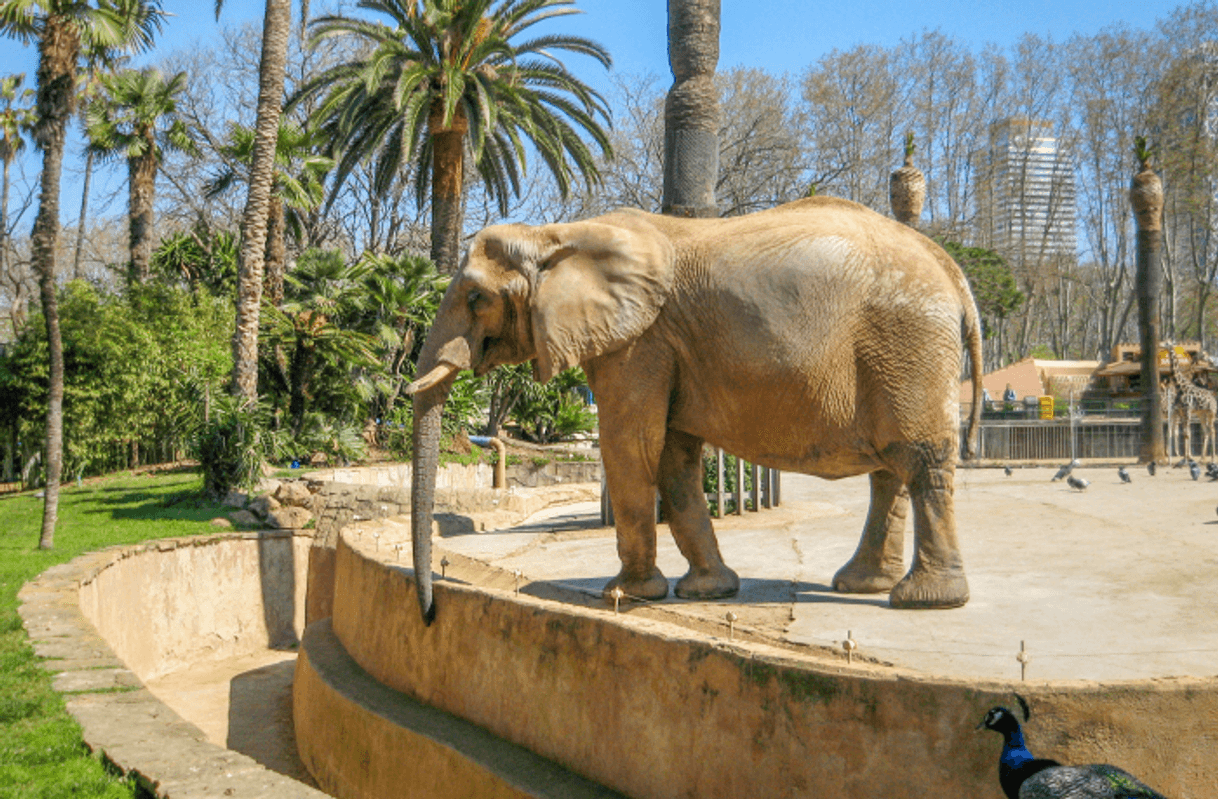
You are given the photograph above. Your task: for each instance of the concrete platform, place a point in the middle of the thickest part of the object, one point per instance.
(1119, 582)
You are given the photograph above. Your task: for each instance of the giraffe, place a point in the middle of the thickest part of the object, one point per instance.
(1176, 422)
(1193, 401)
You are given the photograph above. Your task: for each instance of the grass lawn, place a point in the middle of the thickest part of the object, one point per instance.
(41, 750)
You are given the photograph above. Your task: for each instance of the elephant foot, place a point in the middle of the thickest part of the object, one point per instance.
(652, 587)
(925, 590)
(857, 578)
(713, 585)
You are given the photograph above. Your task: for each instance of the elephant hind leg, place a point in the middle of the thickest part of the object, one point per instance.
(683, 503)
(879, 562)
(936, 578)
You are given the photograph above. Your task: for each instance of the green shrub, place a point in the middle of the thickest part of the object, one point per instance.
(233, 445)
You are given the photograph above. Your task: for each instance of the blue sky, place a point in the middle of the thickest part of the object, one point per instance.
(776, 35)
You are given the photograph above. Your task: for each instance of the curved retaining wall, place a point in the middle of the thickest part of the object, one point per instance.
(107, 619)
(654, 710)
(175, 603)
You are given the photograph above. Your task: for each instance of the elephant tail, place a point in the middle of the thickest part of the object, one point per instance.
(971, 331)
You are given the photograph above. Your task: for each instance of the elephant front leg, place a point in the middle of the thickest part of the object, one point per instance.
(683, 503)
(634, 509)
(879, 561)
(936, 578)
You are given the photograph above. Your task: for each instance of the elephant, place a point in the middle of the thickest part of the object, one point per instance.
(817, 336)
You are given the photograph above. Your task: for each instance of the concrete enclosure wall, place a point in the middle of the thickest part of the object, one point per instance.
(654, 710)
(179, 602)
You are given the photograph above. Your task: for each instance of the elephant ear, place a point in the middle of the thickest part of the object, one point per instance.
(601, 285)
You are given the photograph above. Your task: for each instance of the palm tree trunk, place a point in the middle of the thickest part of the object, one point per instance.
(141, 185)
(277, 28)
(84, 213)
(1146, 197)
(691, 110)
(57, 51)
(276, 252)
(447, 187)
(4, 220)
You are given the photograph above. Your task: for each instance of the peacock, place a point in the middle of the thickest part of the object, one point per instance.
(1023, 776)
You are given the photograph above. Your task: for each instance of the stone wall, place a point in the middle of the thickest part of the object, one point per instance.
(653, 710)
(463, 478)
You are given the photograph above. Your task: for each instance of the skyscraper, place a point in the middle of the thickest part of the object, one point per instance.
(1025, 192)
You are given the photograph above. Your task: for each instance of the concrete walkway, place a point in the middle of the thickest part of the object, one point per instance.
(1118, 582)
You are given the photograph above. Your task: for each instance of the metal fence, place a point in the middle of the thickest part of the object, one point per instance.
(1062, 439)
(764, 489)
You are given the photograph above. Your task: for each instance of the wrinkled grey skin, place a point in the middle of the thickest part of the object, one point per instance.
(817, 337)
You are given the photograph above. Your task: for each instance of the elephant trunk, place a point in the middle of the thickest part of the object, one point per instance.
(428, 407)
(442, 357)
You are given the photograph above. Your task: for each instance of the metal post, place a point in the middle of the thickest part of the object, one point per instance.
(606, 504)
(719, 482)
(739, 486)
(1073, 453)
(765, 486)
(777, 475)
(753, 469)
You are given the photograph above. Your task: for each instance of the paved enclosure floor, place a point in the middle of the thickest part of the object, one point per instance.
(1116, 582)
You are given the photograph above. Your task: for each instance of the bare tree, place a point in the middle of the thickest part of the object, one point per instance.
(853, 111)
(761, 159)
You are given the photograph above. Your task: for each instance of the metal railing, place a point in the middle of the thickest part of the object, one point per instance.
(1063, 439)
(765, 490)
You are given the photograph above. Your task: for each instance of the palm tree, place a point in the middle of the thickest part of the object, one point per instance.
(403, 296)
(691, 110)
(60, 28)
(137, 118)
(298, 188)
(1146, 197)
(90, 87)
(447, 74)
(14, 121)
(313, 330)
(276, 31)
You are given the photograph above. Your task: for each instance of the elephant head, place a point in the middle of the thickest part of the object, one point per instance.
(558, 295)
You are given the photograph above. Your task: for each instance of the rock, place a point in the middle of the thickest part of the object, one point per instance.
(319, 459)
(264, 506)
(294, 493)
(289, 518)
(236, 499)
(244, 518)
(268, 486)
(220, 521)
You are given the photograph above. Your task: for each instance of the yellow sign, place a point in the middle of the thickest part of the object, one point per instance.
(1046, 407)
(1181, 355)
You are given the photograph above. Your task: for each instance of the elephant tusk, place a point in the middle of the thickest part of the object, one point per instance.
(437, 375)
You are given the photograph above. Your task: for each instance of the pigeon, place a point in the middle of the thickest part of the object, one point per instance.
(1194, 470)
(1123, 473)
(1007, 471)
(1211, 470)
(1077, 482)
(1065, 470)
(1150, 467)
(1024, 776)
